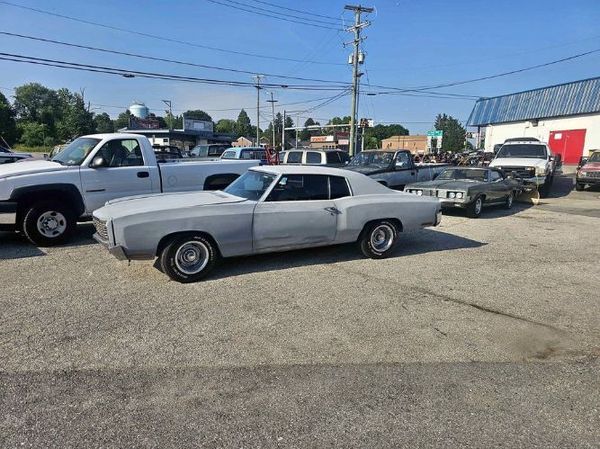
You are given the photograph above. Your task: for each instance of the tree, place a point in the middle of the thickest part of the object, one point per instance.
(122, 120)
(374, 135)
(34, 134)
(306, 133)
(454, 133)
(242, 125)
(197, 114)
(226, 126)
(75, 119)
(8, 126)
(339, 121)
(103, 123)
(290, 135)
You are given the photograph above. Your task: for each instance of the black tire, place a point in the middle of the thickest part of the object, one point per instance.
(475, 207)
(378, 239)
(189, 258)
(545, 190)
(49, 223)
(509, 200)
(579, 186)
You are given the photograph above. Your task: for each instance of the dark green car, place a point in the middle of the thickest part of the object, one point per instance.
(469, 188)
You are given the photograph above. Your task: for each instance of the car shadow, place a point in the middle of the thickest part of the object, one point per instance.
(16, 246)
(424, 241)
(491, 212)
(561, 186)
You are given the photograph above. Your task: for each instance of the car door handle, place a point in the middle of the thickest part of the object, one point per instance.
(333, 210)
(143, 174)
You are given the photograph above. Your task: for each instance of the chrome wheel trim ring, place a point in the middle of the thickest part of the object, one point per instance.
(478, 206)
(51, 224)
(382, 238)
(510, 200)
(192, 257)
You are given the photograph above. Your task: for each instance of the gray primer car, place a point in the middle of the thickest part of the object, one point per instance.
(271, 208)
(469, 188)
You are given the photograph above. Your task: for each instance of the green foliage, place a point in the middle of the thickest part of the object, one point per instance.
(103, 123)
(34, 134)
(242, 125)
(306, 133)
(374, 135)
(75, 120)
(339, 121)
(226, 126)
(122, 120)
(36, 103)
(454, 133)
(197, 114)
(8, 125)
(25, 149)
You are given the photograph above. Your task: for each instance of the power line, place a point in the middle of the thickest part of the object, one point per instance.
(252, 11)
(297, 10)
(162, 38)
(156, 58)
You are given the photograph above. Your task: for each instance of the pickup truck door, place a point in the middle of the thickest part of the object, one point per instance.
(296, 213)
(124, 173)
(404, 171)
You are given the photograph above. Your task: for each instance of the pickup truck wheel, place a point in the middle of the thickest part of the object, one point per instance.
(49, 223)
(378, 239)
(475, 207)
(579, 186)
(545, 190)
(189, 258)
(509, 200)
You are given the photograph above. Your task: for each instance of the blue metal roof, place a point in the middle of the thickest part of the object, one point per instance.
(577, 97)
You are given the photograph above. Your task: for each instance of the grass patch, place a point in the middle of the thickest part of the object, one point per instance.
(25, 149)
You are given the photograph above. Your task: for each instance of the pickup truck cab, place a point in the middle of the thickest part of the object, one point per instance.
(45, 199)
(588, 171)
(331, 158)
(393, 168)
(528, 159)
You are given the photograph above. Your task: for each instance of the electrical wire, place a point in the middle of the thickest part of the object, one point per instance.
(162, 38)
(310, 13)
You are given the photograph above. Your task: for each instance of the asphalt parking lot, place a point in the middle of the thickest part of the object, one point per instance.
(482, 333)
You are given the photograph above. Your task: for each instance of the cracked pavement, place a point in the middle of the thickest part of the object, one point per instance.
(480, 332)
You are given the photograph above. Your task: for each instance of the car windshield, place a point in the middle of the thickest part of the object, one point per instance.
(522, 150)
(595, 157)
(377, 158)
(76, 151)
(251, 185)
(462, 173)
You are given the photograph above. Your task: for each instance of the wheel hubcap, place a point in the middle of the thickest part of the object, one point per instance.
(192, 257)
(52, 224)
(510, 200)
(382, 238)
(478, 205)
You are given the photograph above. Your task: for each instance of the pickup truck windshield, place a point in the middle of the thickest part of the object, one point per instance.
(523, 150)
(461, 173)
(76, 151)
(595, 157)
(380, 159)
(251, 185)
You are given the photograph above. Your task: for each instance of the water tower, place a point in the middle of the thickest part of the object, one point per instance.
(139, 110)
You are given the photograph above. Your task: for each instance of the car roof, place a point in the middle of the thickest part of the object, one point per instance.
(317, 150)
(524, 142)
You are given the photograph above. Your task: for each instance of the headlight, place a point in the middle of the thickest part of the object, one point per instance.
(540, 171)
(459, 195)
(419, 192)
(451, 195)
(583, 173)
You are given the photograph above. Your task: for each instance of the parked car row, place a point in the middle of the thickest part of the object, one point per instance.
(588, 171)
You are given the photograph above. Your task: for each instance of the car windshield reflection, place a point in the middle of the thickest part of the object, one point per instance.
(251, 185)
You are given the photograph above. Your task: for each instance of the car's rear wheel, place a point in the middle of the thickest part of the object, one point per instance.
(475, 207)
(378, 239)
(49, 223)
(189, 258)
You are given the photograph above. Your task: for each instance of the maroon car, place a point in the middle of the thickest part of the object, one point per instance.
(588, 172)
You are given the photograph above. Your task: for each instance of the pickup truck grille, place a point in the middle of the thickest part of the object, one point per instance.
(521, 172)
(592, 174)
(101, 229)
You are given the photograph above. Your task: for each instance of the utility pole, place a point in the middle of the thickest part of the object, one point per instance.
(258, 78)
(283, 132)
(297, 124)
(273, 112)
(358, 26)
(168, 103)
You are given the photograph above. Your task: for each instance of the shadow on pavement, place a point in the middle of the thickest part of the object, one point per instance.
(562, 186)
(421, 242)
(16, 246)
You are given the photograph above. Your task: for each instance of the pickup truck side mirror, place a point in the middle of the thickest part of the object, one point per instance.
(98, 162)
(582, 162)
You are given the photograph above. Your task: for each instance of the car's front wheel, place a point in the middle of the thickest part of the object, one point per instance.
(579, 186)
(378, 239)
(189, 258)
(475, 207)
(48, 223)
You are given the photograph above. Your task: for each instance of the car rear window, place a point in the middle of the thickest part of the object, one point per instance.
(338, 187)
(312, 157)
(333, 158)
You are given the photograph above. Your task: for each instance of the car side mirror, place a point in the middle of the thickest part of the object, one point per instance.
(98, 162)
(582, 161)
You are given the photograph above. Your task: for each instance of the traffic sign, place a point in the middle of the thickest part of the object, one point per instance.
(435, 133)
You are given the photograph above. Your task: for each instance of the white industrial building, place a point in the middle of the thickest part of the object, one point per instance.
(566, 116)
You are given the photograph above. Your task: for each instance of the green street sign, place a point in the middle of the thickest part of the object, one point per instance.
(435, 133)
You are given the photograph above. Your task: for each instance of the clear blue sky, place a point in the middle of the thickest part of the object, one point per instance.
(410, 43)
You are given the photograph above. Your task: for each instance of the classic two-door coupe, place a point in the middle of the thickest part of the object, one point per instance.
(469, 188)
(269, 208)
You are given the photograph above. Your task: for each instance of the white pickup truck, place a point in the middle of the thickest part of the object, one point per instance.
(45, 199)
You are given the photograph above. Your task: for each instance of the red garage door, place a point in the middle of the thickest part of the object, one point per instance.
(568, 143)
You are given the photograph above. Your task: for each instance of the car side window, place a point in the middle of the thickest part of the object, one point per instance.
(294, 157)
(338, 187)
(228, 154)
(312, 157)
(402, 160)
(333, 158)
(344, 157)
(300, 188)
(495, 176)
(121, 153)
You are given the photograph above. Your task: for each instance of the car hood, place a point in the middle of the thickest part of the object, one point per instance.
(30, 167)
(365, 169)
(141, 204)
(591, 166)
(460, 184)
(518, 162)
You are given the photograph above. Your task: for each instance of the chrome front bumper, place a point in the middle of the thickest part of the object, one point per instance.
(117, 251)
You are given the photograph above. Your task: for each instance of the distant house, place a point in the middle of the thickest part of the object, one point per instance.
(416, 144)
(242, 142)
